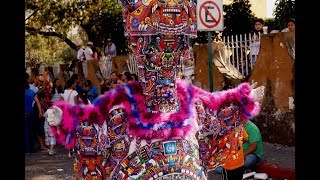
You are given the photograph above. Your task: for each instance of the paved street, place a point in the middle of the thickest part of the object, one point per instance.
(40, 166)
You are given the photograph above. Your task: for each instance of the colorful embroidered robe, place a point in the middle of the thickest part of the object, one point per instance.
(117, 138)
(161, 127)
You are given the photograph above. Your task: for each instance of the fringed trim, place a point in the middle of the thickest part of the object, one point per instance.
(142, 123)
(240, 94)
(72, 116)
(158, 125)
(152, 125)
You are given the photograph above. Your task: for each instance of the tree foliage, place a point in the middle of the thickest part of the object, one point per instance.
(284, 10)
(57, 17)
(99, 19)
(108, 24)
(238, 18)
(46, 50)
(270, 22)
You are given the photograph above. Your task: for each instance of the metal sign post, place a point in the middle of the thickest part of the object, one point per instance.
(210, 61)
(210, 18)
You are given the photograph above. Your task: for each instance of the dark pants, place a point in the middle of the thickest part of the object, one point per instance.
(235, 174)
(37, 129)
(27, 132)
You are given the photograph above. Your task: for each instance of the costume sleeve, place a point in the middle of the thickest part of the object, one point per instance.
(240, 95)
(219, 115)
(71, 116)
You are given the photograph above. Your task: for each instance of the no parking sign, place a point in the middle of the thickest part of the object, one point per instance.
(210, 15)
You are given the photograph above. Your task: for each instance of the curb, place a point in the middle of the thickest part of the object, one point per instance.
(276, 172)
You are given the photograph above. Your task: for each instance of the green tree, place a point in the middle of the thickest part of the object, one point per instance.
(46, 50)
(270, 22)
(57, 18)
(102, 29)
(238, 18)
(284, 10)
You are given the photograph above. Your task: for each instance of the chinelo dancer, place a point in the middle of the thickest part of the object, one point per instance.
(161, 126)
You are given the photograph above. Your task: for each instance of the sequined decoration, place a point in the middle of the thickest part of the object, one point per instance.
(167, 159)
(117, 132)
(159, 34)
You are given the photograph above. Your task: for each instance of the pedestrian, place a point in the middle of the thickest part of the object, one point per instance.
(89, 55)
(291, 25)
(126, 77)
(104, 85)
(92, 91)
(50, 140)
(78, 86)
(29, 98)
(110, 49)
(70, 95)
(255, 40)
(134, 77)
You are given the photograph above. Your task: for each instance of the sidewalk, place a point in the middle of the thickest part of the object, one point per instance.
(278, 162)
(40, 166)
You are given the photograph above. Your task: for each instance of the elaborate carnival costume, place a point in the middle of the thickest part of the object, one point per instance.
(161, 127)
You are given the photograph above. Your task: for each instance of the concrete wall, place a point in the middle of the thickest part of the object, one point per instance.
(274, 69)
(201, 69)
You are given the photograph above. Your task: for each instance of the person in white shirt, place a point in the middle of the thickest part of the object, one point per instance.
(255, 40)
(56, 90)
(88, 53)
(110, 49)
(50, 139)
(80, 52)
(70, 95)
(291, 26)
(80, 59)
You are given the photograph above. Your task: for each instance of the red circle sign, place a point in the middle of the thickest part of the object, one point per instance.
(216, 20)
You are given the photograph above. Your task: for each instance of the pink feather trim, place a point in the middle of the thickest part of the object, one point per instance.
(187, 94)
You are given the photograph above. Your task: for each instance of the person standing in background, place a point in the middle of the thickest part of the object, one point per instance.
(255, 40)
(92, 91)
(78, 86)
(110, 49)
(80, 52)
(70, 95)
(134, 77)
(291, 25)
(80, 59)
(88, 56)
(29, 97)
(50, 141)
(56, 91)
